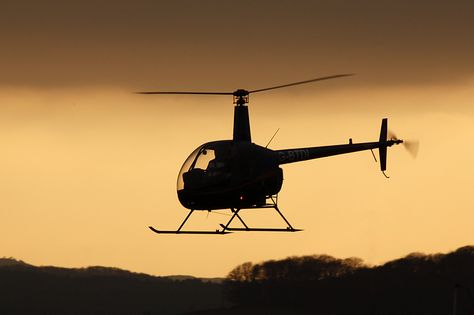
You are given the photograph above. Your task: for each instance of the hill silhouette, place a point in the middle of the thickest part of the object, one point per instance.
(317, 284)
(321, 284)
(26, 289)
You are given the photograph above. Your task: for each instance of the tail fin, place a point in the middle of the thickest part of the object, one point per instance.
(383, 148)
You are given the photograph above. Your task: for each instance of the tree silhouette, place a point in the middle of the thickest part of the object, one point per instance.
(415, 284)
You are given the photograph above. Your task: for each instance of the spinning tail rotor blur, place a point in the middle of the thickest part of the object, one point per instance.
(411, 145)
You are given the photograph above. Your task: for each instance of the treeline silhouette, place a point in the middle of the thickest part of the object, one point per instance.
(415, 284)
(26, 289)
(318, 284)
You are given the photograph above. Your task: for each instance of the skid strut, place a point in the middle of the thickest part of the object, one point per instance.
(226, 229)
(273, 205)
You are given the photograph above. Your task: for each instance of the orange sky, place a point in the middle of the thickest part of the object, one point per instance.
(86, 165)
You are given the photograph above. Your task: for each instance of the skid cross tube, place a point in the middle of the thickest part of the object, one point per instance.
(185, 219)
(281, 214)
(246, 228)
(238, 217)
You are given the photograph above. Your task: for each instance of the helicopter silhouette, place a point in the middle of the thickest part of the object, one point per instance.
(238, 174)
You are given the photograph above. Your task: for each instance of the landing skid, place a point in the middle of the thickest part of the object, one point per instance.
(226, 228)
(259, 229)
(179, 231)
(187, 232)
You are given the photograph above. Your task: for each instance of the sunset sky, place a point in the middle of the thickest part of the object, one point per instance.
(86, 165)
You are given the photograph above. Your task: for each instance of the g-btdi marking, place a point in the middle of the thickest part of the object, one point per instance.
(293, 155)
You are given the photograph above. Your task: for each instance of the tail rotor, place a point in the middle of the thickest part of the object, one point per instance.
(411, 145)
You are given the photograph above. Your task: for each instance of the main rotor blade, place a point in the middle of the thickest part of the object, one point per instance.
(179, 92)
(303, 82)
(240, 93)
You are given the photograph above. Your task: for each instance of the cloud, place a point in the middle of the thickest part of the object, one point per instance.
(189, 44)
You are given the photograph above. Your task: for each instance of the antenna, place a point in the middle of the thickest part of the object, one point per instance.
(272, 137)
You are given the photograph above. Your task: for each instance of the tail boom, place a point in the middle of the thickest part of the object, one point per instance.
(303, 154)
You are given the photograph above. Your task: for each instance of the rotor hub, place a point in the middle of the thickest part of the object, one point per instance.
(241, 97)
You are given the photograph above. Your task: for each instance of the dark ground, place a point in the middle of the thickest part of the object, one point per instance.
(318, 284)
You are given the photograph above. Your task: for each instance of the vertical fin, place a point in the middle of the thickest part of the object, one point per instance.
(383, 146)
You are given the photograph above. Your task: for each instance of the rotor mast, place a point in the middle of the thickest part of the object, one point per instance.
(241, 117)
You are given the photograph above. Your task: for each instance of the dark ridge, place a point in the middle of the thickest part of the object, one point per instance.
(26, 289)
(415, 284)
(318, 284)
(12, 262)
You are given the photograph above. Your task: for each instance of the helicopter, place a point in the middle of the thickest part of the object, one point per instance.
(238, 174)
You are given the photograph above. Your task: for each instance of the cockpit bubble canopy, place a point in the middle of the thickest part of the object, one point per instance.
(206, 166)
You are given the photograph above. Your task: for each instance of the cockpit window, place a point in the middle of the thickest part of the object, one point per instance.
(205, 166)
(203, 158)
(199, 159)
